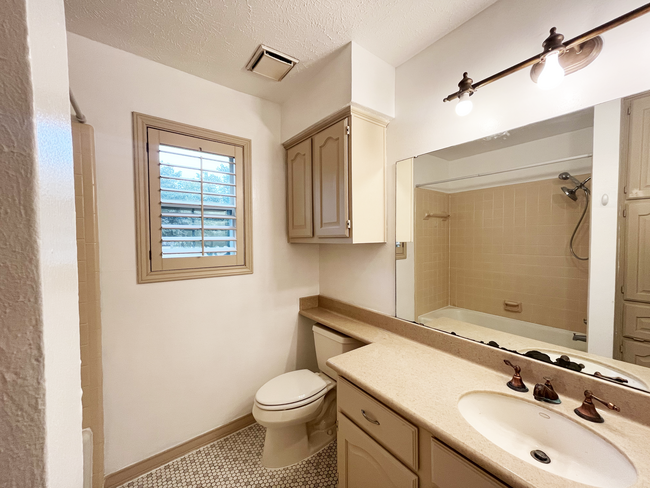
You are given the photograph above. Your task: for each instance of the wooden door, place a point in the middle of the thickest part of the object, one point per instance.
(364, 463)
(638, 184)
(330, 153)
(450, 470)
(637, 257)
(636, 352)
(636, 320)
(299, 191)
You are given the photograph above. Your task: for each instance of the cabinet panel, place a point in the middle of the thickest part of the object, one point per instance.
(331, 181)
(364, 463)
(399, 436)
(639, 149)
(637, 257)
(636, 352)
(636, 320)
(450, 470)
(299, 191)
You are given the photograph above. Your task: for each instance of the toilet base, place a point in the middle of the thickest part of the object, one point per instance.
(290, 444)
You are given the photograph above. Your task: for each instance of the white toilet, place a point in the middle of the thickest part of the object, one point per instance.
(298, 408)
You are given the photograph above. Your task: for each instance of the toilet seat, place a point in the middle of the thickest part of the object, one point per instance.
(291, 390)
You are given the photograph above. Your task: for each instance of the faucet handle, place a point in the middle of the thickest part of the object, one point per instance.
(588, 410)
(516, 383)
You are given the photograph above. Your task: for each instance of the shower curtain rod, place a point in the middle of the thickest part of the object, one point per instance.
(77, 111)
(572, 158)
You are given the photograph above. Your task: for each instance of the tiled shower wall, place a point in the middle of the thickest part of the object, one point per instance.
(431, 251)
(511, 243)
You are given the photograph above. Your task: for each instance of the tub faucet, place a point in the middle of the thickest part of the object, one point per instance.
(545, 392)
(588, 410)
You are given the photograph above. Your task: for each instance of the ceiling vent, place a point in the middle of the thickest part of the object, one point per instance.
(271, 63)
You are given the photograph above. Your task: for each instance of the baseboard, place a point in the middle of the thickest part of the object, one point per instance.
(138, 469)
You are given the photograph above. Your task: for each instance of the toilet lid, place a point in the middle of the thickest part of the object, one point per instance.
(292, 387)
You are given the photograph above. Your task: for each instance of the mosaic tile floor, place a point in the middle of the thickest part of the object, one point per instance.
(235, 462)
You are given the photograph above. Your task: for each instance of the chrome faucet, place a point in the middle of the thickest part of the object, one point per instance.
(545, 392)
(588, 410)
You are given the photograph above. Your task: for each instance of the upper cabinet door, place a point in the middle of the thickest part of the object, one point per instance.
(637, 266)
(299, 191)
(330, 151)
(639, 149)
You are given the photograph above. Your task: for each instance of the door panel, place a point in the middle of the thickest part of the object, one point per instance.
(636, 352)
(639, 149)
(636, 320)
(450, 470)
(331, 181)
(364, 463)
(637, 266)
(299, 190)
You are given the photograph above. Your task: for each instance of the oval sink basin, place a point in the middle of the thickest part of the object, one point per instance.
(536, 434)
(591, 366)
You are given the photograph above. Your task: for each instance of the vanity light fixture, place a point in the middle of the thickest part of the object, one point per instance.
(557, 59)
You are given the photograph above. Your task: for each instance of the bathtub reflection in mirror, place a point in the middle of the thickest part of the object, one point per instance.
(499, 246)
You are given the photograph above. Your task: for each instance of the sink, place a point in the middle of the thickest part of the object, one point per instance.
(521, 427)
(592, 366)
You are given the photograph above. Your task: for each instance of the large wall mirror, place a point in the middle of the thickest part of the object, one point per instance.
(495, 241)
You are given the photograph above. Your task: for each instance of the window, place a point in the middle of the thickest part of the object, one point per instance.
(193, 201)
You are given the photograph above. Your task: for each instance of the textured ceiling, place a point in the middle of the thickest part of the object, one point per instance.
(214, 39)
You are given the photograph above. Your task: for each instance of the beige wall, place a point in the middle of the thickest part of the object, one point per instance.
(504, 243)
(90, 330)
(512, 243)
(431, 252)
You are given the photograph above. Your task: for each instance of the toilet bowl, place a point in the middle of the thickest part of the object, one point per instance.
(298, 408)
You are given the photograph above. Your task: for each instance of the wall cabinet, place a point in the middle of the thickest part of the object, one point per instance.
(379, 448)
(336, 188)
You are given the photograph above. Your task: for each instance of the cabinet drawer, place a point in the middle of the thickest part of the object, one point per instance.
(636, 320)
(364, 463)
(389, 429)
(451, 470)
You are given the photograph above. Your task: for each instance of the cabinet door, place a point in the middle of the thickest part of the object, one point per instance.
(450, 470)
(637, 257)
(636, 352)
(362, 463)
(331, 181)
(636, 320)
(639, 149)
(299, 191)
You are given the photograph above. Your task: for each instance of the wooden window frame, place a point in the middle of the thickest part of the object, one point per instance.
(207, 267)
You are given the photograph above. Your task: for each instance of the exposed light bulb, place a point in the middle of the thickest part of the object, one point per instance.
(552, 74)
(464, 105)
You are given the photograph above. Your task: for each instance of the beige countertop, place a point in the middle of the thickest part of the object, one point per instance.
(424, 384)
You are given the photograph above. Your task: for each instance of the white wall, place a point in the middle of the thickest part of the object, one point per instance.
(603, 226)
(40, 411)
(181, 358)
(373, 81)
(424, 123)
(324, 93)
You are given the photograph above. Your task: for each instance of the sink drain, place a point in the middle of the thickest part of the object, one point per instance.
(540, 456)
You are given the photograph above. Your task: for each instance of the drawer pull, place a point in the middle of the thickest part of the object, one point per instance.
(372, 421)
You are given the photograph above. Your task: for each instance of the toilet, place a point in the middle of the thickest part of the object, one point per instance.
(298, 408)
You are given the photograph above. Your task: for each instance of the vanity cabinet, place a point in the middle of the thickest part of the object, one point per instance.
(378, 448)
(336, 180)
(451, 470)
(363, 462)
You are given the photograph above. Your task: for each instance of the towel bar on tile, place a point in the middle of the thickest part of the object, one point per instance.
(428, 216)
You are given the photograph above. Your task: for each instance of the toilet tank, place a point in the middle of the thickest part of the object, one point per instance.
(330, 343)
